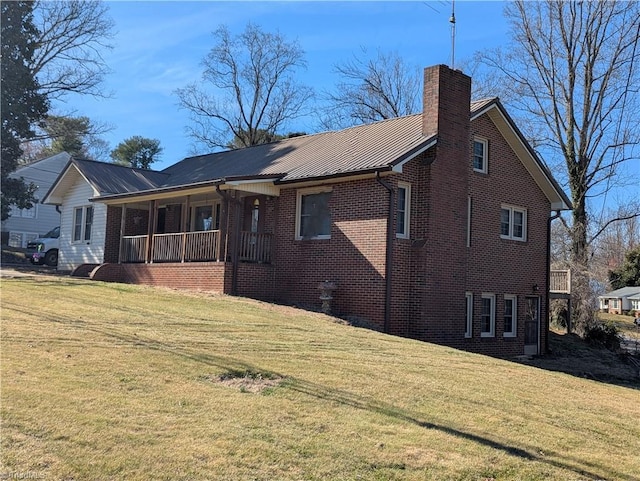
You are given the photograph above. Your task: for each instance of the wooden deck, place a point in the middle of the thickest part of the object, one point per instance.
(560, 284)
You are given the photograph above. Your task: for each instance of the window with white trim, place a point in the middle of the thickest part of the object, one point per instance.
(488, 315)
(205, 216)
(510, 316)
(480, 155)
(403, 207)
(468, 331)
(513, 223)
(24, 213)
(313, 216)
(82, 223)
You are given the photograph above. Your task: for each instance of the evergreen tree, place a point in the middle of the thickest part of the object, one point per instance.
(138, 152)
(22, 104)
(628, 274)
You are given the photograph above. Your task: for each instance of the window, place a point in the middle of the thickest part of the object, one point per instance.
(614, 303)
(313, 219)
(82, 223)
(488, 315)
(205, 217)
(480, 151)
(468, 332)
(403, 208)
(469, 212)
(255, 215)
(24, 213)
(513, 223)
(510, 316)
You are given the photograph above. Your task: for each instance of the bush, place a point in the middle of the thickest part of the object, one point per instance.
(604, 334)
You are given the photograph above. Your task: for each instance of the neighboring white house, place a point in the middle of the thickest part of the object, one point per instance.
(25, 225)
(620, 300)
(635, 304)
(83, 222)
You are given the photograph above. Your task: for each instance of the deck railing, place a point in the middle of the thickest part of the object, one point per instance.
(199, 246)
(560, 281)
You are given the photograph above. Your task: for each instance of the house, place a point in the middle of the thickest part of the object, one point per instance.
(24, 225)
(83, 223)
(432, 226)
(621, 301)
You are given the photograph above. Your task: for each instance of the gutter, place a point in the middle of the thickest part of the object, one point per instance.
(548, 280)
(389, 255)
(236, 240)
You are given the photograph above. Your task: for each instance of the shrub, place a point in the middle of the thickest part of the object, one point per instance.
(604, 334)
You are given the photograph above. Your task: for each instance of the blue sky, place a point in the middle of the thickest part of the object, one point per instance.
(159, 46)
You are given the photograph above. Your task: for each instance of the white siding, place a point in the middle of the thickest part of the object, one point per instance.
(42, 173)
(72, 254)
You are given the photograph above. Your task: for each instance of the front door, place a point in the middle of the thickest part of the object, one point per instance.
(532, 326)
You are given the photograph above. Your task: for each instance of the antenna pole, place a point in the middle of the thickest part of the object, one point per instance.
(452, 21)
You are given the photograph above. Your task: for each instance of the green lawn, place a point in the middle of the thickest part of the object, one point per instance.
(117, 382)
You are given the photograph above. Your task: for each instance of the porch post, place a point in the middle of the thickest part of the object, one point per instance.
(123, 219)
(183, 227)
(221, 253)
(150, 231)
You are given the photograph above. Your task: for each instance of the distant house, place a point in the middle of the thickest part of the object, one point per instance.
(25, 225)
(432, 226)
(621, 300)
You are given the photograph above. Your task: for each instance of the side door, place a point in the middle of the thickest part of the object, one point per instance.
(532, 326)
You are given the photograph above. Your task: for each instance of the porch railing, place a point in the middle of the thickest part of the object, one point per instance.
(134, 248)
(255, 247)
(199, 246)
(560, 281)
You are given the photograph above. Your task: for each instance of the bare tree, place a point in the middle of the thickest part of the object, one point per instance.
(373, 89)
(78, 136)
(248, 89)
(616, 241)
(72, 37)
(574, 69)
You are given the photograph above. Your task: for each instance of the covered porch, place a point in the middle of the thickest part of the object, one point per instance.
(206, 225)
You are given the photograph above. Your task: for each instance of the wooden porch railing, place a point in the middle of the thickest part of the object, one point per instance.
(255, 247)
(560, 282)
(199, 246)
(134, 248)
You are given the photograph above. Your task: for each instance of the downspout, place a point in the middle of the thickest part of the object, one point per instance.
(548, 280)
(389, 255)
(236, 240)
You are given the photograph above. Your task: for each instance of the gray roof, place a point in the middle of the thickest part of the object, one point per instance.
(623, 292)
(362, 148)
(118, 179)
(378, 146)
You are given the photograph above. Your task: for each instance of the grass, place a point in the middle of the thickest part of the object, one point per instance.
(111, 381)
(624, 324)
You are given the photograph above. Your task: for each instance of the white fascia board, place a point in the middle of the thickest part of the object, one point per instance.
(398, 167)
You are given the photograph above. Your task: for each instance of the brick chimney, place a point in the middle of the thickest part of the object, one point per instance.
(445, 103)
(446, 113)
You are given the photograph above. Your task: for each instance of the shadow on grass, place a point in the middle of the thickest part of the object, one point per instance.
(570, 354)
(581, 467)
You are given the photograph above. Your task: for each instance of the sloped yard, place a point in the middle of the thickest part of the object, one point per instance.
(110, 381)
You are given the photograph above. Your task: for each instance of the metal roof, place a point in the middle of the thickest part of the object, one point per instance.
(379, 146)
(118, 179)
(362, 148)
(622, 292)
